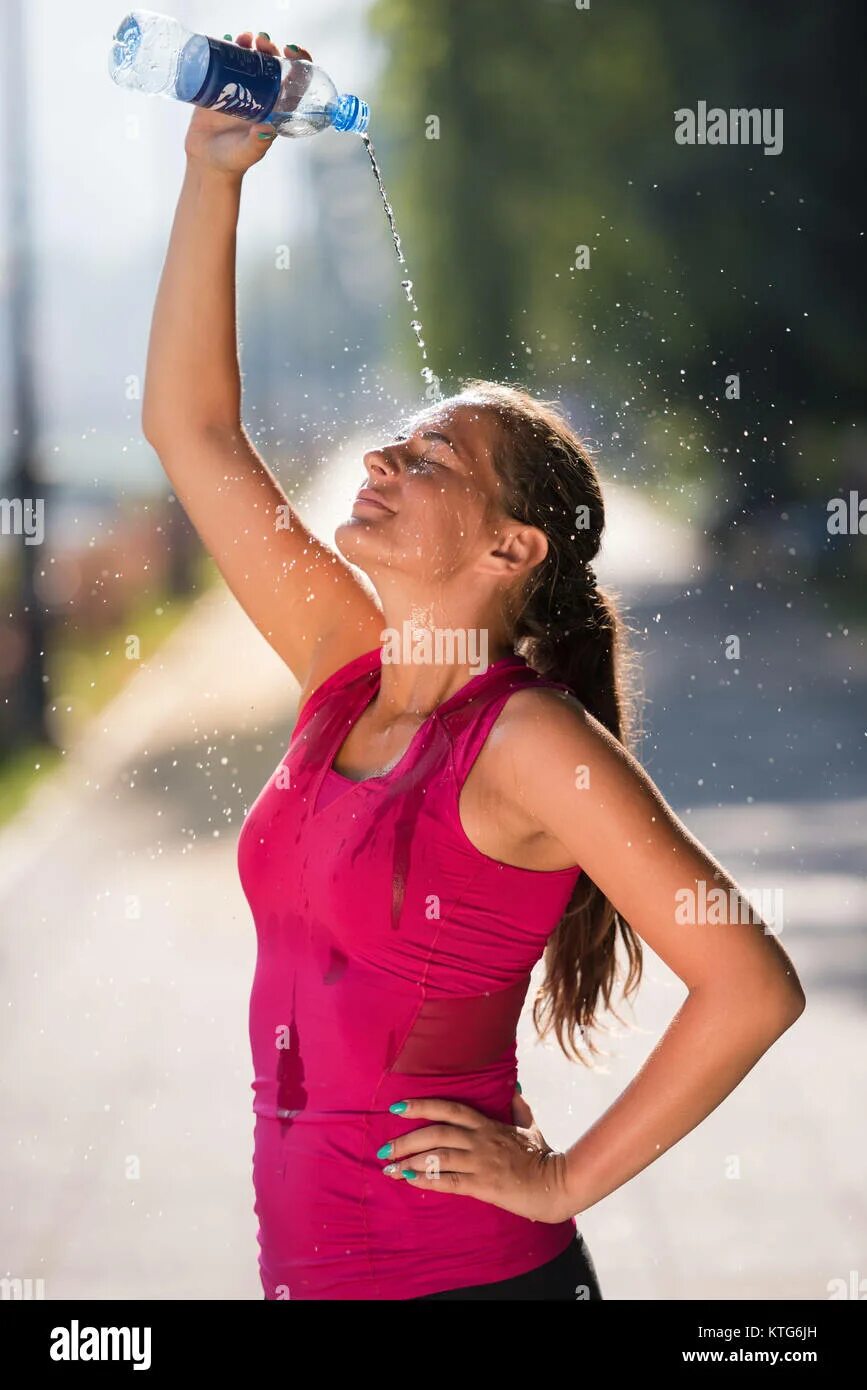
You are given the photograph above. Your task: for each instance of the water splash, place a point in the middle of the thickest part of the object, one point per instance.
(428, 377)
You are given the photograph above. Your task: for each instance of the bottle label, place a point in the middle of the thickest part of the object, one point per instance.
(241, 81)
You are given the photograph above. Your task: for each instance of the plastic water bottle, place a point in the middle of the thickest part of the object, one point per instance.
(155, 54)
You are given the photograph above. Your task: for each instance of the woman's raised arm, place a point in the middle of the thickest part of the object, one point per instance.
(299, 592)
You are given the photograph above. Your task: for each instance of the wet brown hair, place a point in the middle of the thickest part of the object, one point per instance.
(569, 629)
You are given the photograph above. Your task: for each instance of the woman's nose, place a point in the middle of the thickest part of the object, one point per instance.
(380, 460)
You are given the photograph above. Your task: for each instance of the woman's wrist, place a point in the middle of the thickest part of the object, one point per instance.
(207, 173)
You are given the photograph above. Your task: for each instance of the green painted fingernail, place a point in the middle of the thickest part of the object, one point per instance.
(407, 1173)
(293, 46)
(227, 36)
(385, 1151)
(263, 35)
(398, 1108)
(518, 1087)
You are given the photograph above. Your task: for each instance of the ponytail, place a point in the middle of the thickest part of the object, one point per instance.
(569, 630)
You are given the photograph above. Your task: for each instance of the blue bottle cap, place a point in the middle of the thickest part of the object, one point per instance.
(351, 114)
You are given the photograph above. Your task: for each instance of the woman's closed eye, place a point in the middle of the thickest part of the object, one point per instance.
(419, 460)
(423, 460)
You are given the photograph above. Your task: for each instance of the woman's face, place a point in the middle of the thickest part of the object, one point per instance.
(437, 481)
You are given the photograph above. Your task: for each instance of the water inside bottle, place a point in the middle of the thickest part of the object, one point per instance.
(406, 285)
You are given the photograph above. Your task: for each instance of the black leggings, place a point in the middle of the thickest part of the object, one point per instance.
(569, 1277)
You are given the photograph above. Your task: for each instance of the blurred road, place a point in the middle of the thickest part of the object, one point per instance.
(128, 955)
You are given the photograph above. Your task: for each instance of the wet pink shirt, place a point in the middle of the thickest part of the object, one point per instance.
(393, 962)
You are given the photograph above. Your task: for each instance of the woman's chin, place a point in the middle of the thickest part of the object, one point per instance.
(357, 537)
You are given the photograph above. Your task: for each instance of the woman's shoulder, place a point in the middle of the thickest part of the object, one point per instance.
(514, 758)
(536, 708)
(538, 725)
(542, 746)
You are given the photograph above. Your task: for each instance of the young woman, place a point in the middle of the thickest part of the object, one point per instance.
(445, 815)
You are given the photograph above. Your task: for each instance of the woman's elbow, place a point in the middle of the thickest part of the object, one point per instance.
(787, 1004)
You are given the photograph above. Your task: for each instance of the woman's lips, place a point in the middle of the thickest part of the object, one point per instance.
(372, 502)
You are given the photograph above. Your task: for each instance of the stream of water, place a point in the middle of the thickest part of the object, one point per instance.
(406, 285)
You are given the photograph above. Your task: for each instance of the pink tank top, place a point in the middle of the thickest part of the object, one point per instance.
(393, 962)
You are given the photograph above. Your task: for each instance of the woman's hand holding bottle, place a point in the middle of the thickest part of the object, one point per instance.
(225, 143)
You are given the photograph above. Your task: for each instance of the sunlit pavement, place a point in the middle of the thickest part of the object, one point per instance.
(128, 957)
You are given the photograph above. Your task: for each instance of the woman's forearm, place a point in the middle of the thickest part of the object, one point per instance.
(711, 1044)
(193, 376)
